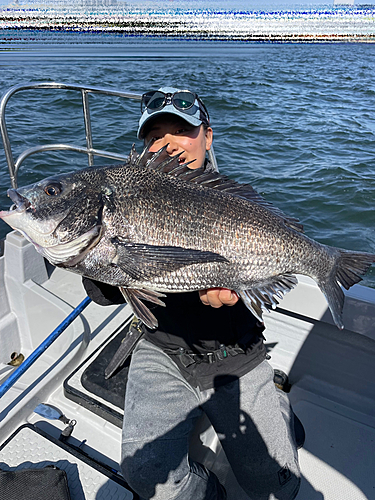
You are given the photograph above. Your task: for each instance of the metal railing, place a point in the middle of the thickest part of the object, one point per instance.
(89, 150)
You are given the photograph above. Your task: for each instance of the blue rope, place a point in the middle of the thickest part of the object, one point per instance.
(42, 347)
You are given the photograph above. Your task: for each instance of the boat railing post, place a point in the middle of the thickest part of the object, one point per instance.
(212, 158)
(88, 130)
(6, 141)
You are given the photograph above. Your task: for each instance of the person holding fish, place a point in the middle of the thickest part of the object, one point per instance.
(203, 357)
(165, 222)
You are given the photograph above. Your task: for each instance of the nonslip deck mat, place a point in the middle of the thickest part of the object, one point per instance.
(30, 448)
(88, 387)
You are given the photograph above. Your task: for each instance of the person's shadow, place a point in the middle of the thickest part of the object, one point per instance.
(243, 446)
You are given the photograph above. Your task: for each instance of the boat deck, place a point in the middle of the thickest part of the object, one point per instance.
(331, 372)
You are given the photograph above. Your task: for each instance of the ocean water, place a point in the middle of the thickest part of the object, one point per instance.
(295, 120)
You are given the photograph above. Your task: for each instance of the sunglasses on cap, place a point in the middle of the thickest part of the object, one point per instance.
(182, 100)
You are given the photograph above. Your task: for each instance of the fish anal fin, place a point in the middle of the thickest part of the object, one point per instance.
(251, 303)
(263, 296)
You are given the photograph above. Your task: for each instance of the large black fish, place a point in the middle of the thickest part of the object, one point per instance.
(152, 225)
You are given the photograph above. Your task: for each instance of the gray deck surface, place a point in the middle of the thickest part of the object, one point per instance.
(30, 450)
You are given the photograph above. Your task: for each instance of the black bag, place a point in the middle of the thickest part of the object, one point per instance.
(49, 483)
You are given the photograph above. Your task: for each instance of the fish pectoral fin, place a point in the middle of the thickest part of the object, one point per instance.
(263, 297)
(133, 298)
(141, 261)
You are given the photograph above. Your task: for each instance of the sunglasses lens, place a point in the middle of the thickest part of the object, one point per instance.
(155, 100)
(183, 100)
(146, 99)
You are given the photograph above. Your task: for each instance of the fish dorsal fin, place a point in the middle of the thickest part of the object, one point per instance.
(263, 297)
(133, 156)
(160, 161)
(219, 182)
(164, 163)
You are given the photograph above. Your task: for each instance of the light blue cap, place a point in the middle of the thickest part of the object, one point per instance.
(192, 115)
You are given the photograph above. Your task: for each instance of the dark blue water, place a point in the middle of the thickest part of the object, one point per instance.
(295, 120)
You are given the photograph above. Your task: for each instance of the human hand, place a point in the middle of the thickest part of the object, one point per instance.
(216, 297)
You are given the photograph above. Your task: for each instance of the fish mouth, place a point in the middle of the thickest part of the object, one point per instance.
(20, 217)
(20, 204)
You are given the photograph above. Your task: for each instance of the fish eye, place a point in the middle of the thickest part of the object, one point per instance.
(53, 189)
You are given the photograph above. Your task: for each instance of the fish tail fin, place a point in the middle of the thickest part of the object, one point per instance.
(348, 270)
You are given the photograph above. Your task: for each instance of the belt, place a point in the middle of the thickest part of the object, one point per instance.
(189, 358)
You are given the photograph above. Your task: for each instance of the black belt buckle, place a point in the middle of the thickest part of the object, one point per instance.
(186, 358)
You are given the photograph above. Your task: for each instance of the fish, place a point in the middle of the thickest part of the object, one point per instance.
(152, 226)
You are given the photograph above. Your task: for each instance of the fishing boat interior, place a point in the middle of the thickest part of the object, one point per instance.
(57, 408)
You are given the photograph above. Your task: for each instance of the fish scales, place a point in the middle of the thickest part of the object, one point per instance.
(152, 226)
(168, 213)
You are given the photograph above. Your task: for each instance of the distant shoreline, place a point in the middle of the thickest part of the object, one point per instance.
(314, 26)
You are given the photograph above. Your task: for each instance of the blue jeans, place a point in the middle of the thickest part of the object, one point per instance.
(252, 419)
